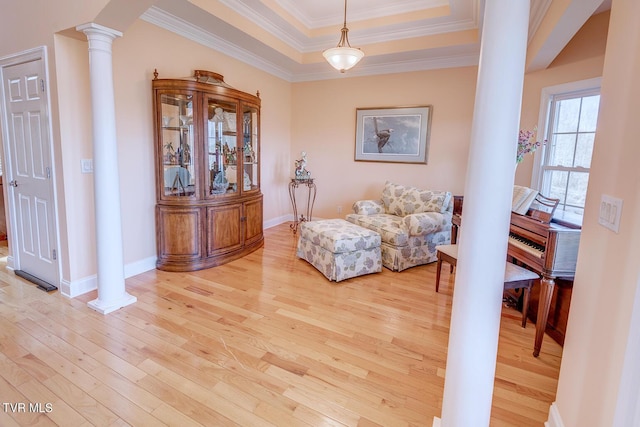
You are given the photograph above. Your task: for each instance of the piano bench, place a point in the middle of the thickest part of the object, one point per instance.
(515, 277)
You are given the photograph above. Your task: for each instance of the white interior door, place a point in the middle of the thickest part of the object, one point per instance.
(28, 177)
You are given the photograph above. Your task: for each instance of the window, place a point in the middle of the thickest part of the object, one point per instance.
(570, 115)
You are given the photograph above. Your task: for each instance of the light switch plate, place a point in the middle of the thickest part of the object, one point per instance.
(86, 165)
(610, 212)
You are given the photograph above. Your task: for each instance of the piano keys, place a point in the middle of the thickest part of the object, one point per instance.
(550, 248)
(536, 250)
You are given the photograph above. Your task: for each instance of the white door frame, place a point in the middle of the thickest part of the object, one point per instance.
(13, 260)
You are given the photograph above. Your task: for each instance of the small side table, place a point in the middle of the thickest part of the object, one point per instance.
(311, 198)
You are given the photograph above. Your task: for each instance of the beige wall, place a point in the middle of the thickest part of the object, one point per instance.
(324, 120)
(608, 275)
(76, 198)
(581, 59)
(30, 23)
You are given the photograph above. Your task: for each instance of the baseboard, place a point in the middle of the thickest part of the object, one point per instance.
(78, 287)
(283, 219)
(90, 283)
(139, 267)
(555, 420)
(277, 221)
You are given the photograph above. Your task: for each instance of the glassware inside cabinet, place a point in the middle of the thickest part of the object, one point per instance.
(178, 144)
(250, 153)
(222, 147)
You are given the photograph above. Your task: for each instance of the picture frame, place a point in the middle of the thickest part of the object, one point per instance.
(393, 134)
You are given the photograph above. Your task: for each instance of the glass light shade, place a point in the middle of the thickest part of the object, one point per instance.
(343, 58)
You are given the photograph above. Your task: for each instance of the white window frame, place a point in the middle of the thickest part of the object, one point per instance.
(579, 88)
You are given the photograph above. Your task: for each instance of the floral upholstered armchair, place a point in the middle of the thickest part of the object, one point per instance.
(411, 223)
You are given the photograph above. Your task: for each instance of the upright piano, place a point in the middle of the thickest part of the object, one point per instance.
(550, 248)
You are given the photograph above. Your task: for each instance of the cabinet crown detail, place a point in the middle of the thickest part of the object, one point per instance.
(207, 150)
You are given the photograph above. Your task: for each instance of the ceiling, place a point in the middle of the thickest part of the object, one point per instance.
(286, 37)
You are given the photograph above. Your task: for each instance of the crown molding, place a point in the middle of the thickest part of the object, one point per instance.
(187, 30)
(393, 67)
(336, 17)
(464, 17)
(538, 11)
(406, 62)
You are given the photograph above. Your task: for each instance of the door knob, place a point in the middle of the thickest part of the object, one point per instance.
(13, 183)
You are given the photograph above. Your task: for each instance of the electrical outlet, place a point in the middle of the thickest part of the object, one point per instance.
(339, 209)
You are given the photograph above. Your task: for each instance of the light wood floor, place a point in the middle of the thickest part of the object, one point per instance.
(262, 341)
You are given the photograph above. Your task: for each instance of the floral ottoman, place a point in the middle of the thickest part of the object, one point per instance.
(339, 249)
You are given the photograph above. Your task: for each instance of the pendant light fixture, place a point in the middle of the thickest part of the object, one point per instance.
(343, 57)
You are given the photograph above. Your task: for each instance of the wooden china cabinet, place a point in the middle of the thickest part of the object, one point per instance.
(207, 149)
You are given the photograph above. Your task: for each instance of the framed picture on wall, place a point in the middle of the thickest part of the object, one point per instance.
(397, 134)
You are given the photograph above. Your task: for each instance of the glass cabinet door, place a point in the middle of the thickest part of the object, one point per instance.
(177, 145)
(222, 147)
(251, 157)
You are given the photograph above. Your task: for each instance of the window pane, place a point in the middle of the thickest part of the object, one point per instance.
(589, 113)
(568, 115)
(573, 209)
(563, 149)
(557, 184)
(565, 168)
(577, 189)
(584, 150)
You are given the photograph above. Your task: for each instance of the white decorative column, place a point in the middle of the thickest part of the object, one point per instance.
(482, 251)
(111, 289)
